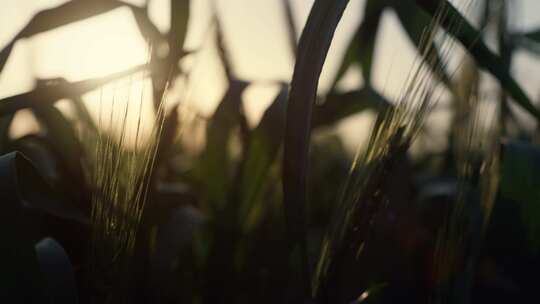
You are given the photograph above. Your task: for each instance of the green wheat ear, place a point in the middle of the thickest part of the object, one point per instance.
(120, 178)
(394, 131)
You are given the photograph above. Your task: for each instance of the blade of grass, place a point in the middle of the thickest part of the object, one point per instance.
(312, 50)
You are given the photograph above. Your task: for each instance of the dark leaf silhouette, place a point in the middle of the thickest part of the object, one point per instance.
(312, 50)
(263, 148)
(338, 106)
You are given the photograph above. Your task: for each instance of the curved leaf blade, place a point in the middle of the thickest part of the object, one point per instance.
(24, 192)
(20, 277)
(58, 272)
(312, 50)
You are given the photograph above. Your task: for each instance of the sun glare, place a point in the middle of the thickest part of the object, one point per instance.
(95, 47)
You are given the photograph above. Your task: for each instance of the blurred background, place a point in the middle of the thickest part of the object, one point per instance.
(212, 228)
(257, 40)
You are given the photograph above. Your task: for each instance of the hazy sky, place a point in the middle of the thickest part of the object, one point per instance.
(255, 34)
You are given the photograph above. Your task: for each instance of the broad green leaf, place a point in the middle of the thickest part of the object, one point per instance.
(362, 46)
(174, 239)
(25, 197)
(339, 106)
(215, 159)
(53, 168)
(20, 277)
(221, 186)
(312, 51)
(263, 148)
(37, 149)
(57, 271)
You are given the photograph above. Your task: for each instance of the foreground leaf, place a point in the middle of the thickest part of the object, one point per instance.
(20, 277)
(312, 50)
(25, 195)
(57, 271)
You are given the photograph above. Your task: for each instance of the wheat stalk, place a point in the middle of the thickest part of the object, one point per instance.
(366, 191)
(120, 179)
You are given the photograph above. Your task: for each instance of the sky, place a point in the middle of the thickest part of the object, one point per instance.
(255, 34)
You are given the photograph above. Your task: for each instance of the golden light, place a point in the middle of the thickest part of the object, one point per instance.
(95, 47)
